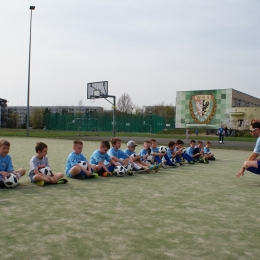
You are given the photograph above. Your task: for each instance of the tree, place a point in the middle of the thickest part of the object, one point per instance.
(139, 110)
(164, 110)
(12, 121)
(125, 104)
(37, 118)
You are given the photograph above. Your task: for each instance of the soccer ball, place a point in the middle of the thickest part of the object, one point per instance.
(150, 159)
(120, 171)
(129, 169)
(220, 142)
(184, 150)
(10, 180)
(162, 149)
(133, 155)
(46, 170)
(84, 164)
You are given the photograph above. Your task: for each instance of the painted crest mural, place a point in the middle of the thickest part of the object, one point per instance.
(202, 108)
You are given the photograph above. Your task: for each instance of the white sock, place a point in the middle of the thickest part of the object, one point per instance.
(135, 166)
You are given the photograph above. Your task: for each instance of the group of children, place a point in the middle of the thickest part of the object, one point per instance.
(106, 159)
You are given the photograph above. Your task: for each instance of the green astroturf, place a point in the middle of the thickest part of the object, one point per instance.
(192, 212)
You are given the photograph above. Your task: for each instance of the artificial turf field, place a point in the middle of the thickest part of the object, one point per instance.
(193, 212)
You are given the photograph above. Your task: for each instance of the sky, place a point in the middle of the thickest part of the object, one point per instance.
(148, 49)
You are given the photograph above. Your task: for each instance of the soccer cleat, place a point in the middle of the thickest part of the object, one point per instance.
(191, 162)
(40, 183)
(142, 170)
(156, 168)
(94, 175)
(62, 181)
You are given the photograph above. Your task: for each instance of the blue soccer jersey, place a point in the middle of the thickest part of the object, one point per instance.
(6, 164)
(128, 152)
(154, 150)
(117, 153)
(206, 150)
(170, 152)
(143, 152)
(190, 151)
(257, 146)
(74, 159)
(97, 157)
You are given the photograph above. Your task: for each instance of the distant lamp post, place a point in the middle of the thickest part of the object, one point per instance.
(29, 70)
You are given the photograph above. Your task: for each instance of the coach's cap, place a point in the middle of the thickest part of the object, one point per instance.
(131, 143)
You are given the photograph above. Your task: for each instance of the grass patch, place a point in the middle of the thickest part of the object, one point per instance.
(76, 135)
(192, 212)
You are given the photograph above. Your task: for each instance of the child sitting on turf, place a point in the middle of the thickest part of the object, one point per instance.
(199, 154)
(190, 150)
(158, 156)
(100, 156)
(122, 158)
(207, 151)
(74, 168)
(179, 149)
(130, 151)
(170, 152)
(41, 161)
(6, 165)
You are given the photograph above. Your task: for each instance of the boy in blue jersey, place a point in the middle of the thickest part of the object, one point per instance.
(122, 158)
(190, 150)
(99, 157)
(159, 156)
(199, 154)
(253, 163)
(73, 167)
(207, 151)
(179, 153)
(6, 165)
(170, 151)
(136, 158)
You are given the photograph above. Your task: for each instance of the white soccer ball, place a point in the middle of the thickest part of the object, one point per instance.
(83, 164)
(133, 155)
(120, 171)
(10, 180)
(150, 159)
(129, 169)
(220, 142)
(46, 171)
(162, 149)
(184, 150)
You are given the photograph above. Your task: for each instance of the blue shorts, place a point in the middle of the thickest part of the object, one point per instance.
(80, 173)
(255, 170)
(31, 175)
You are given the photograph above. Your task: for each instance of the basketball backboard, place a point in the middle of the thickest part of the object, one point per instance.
(97, 90)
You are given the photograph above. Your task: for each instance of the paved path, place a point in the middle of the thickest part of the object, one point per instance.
(163, 141)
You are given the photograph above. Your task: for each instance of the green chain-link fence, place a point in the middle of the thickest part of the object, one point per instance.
(104, 122)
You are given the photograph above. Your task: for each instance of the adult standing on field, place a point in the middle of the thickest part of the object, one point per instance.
(187, 133)
(221, 133)
(252, 164)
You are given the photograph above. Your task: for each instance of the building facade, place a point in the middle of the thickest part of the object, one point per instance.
(20, 112)
(212, 108)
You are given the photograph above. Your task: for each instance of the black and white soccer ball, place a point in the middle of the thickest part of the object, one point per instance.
(129, 169)
(134, 155)
(162, 149)
(150, 159)
(83, 164)
(10, 180)
(120, 171)
(46, 171)
(183, 150)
